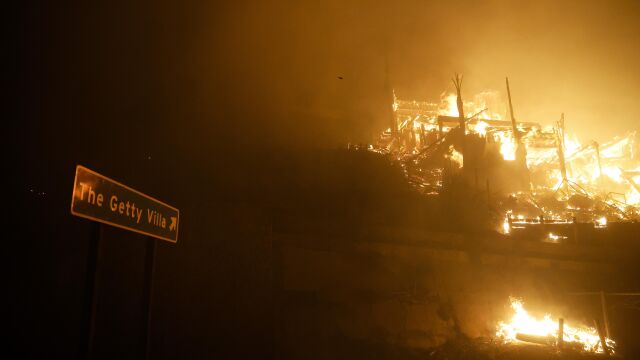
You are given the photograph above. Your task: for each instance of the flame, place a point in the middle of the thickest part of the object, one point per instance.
(481, 128)
(450, 105)
(613, 173)
(455, 156)
(571, 145)
(523, 323)
(506, 226)
(395, 104)
(604, 170)
(555, 238)
(487, 100)
(507, 146)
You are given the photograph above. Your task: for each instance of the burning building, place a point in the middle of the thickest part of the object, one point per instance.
(539, 186)
(534, 173)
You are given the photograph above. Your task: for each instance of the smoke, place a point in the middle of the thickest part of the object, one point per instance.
(319, 72)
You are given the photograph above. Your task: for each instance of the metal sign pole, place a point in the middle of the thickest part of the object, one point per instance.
(605, 315)
(91, 288)
(149, 272)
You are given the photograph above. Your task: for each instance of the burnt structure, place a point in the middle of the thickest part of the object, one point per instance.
(511, 159)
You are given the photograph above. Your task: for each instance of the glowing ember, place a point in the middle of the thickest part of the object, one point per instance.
(455, 156)
(449, 106)
(481, 128)
(507, 146)
(553, 238)
(523, 323)
(602, 222)
(506, 226)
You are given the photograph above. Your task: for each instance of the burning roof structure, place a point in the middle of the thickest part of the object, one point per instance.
(532, 173)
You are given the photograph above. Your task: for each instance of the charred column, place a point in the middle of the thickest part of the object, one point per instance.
(457, 82)
(521, 151)
(560, 141)
(596, 146)
(560, 333)
(393, 122)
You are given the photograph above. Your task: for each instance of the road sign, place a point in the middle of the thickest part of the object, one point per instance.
(98, 198)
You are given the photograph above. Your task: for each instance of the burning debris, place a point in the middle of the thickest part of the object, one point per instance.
(524, 327)
(534, 174)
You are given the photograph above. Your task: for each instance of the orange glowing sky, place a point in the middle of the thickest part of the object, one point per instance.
(576, 57)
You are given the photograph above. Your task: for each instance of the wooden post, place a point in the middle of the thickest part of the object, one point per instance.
(457, 81)
(462, 124)
(387, 85)
(605, 316)
(603, 342)
(516, 134)
(521, 150)
(596, 146)
(560, 141)
(560, 333)
(149, 272)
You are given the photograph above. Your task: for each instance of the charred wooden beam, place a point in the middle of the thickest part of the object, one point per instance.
(628, 175)
(516, 134)
(521, 151)
(603, 341)
(452, 121)
(560, 333)
(560, 140)
(457, 82)
(605, 315)
(536, 339)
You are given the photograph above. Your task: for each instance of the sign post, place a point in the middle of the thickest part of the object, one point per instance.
(91, 285)
(99, 198)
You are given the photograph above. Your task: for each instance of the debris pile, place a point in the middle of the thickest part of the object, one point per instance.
(532, 174)
(526, 328)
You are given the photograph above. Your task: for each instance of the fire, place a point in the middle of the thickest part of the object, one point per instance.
(601, 222)
(559, 164)
(507, 146)
(449, 105)
(506, 225)
(482, 104)
(613, 173)
(455, 156)
(522, 322)
(481, 128)
(553, 238)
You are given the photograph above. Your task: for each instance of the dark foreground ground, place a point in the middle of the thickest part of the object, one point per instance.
(468, 349)
(317, 255)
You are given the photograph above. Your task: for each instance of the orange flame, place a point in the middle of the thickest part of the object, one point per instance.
(523, 323)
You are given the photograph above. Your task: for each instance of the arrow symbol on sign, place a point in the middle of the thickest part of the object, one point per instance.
(173, 224)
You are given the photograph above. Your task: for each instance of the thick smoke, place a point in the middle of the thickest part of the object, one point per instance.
(281, 63)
